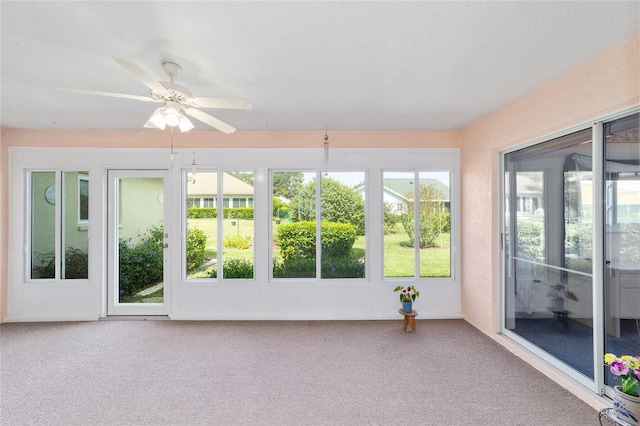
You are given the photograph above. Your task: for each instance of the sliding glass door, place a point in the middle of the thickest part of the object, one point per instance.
(571, 252)
(622, 238)
(549, 261)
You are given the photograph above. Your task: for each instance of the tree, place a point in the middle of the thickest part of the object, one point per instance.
(340, 204)
(287, 184)
(431, 220)
(243, 176)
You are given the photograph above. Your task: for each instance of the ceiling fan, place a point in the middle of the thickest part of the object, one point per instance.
(177, 100)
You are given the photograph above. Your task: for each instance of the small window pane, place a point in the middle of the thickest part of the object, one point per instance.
(399, 234)
(343, 225)
(202, 226)
(75, 239)
(43, 225)
(435, 225)
(294, 231)
(238, 227)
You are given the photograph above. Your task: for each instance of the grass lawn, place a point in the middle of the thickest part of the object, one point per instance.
(398, 260)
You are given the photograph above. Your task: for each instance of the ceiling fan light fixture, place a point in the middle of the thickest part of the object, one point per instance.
(185, 124)
(172, 117)
(156, 120)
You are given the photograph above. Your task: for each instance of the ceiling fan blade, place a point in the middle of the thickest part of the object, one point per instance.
(225, 103)
(141, 75)
(110, 94)
(211, 121)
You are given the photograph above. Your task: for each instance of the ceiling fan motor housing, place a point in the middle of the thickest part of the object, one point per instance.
(175, 93)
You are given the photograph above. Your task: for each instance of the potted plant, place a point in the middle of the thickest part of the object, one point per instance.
(559, 293)
(626, 402)
(408, 295)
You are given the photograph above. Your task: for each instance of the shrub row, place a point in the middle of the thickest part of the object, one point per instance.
(339, 267)
(212, 213)
(297, 240)
(299, 268)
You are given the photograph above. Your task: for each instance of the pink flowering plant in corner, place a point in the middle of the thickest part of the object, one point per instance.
(627, 369)
(407, 294)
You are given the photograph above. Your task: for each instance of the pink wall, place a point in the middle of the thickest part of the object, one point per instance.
(215, 139)
(605, 84)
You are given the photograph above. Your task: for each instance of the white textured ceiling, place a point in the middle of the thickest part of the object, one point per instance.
(303, 65)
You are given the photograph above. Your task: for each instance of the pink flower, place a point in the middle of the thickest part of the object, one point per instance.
(619, 369)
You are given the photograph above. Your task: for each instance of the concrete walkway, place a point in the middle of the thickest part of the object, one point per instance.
(148, 291)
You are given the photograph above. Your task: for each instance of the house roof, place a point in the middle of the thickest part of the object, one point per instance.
(400, 187)
(345, 65)
(405, 186)
(206, 184)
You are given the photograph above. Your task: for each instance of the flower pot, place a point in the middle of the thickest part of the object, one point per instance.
(626, 407)
(557, 304)
(407, 307)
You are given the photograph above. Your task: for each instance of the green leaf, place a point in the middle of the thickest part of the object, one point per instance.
(571, 295)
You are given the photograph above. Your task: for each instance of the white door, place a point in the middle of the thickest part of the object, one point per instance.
(138, 243)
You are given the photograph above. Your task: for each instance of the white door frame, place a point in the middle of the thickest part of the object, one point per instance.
(113, 307)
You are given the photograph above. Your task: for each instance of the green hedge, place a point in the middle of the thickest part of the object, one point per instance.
(298, 240)
(234, 268)
(211, 213)
(340, 267)
(141, 263)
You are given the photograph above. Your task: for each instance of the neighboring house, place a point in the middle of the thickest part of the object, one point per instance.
(203, 191)
(530, 200)
(395, 191)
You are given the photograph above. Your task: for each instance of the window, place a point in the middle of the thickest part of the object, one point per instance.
(417, 233)
(43, 225)
(294, 235)
(238, 230)
(59, 241)
(83, 199)
(343, 230)
(201, 249)
(340, 231)
(236, 224)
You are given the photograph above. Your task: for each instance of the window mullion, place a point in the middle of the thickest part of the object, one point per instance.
(318, 213)
(416, 224)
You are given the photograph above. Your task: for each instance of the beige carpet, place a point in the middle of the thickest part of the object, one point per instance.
(271, 373)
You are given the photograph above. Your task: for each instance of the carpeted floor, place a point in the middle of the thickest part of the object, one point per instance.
(574, 345)
(271, 373)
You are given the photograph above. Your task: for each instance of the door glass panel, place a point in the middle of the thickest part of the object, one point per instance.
(43, 225)
(140, 237)
(548, 256)
(622, 239)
